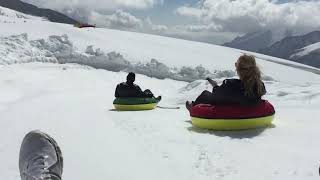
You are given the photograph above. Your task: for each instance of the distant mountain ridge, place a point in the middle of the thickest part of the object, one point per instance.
(252, 41)
(30, 9)
(287, 48)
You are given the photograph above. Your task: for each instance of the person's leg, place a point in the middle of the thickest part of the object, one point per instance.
(148, 93)
(40, 157)
(204, 98)
(189, 105)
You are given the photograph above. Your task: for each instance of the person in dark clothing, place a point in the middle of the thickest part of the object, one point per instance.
(246, 91)
(129, 89)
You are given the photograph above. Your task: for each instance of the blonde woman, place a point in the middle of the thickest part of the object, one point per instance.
(246, 91)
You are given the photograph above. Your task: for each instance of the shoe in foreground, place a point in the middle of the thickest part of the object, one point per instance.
(40, 157)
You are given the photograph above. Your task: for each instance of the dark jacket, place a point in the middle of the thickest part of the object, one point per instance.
(232, 92)
(129, 90)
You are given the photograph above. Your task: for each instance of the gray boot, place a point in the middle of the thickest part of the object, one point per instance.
(40, 157)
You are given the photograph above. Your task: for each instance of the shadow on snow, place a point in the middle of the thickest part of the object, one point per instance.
(235, 134)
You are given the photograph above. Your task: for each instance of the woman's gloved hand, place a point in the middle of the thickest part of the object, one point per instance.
(212, 82)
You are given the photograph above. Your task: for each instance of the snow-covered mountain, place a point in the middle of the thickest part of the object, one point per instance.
(255, 41)
(61, 79)
(303, 49)
(11, 16)
(287, 47)
(26, 8)
(252, 41)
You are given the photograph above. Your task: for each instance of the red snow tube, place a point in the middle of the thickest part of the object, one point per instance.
(232, 117)
(232, 112)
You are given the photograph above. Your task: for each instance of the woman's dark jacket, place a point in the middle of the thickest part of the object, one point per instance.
(230, 92)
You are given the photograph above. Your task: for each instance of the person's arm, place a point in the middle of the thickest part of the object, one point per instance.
(138, 91)
(212, 82)
(116, 94)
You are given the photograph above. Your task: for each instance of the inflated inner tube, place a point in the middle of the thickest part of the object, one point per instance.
(232, 117)
(135, 104)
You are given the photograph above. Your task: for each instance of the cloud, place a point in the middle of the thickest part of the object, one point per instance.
(115, 14)
(189, 11)
(80, 14)
(203, 28)
(150, 26)
(252, 15)
(117, 20)
(95, 4)
(95, 12)
(200, 33)
(125, 21)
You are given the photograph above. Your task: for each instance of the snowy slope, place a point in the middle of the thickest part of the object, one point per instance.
(309, 54)
(137, 47)
(73, 103)
(307, 50)
(11, 16)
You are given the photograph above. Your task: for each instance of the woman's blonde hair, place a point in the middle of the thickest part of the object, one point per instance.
(250, 75)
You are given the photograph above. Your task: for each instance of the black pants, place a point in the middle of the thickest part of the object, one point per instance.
(148, 93)
(204, 98)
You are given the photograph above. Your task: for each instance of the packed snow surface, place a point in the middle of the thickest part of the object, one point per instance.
(61, 80)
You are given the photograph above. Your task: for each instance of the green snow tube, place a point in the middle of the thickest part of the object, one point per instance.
(135, 104)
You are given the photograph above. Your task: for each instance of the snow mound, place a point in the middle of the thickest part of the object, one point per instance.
(59, 49)
(17, 49)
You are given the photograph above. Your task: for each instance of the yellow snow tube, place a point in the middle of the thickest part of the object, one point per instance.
(136, 107)
(232, 124)
(135, 104)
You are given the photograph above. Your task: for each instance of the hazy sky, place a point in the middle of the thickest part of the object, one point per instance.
(213, 21)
